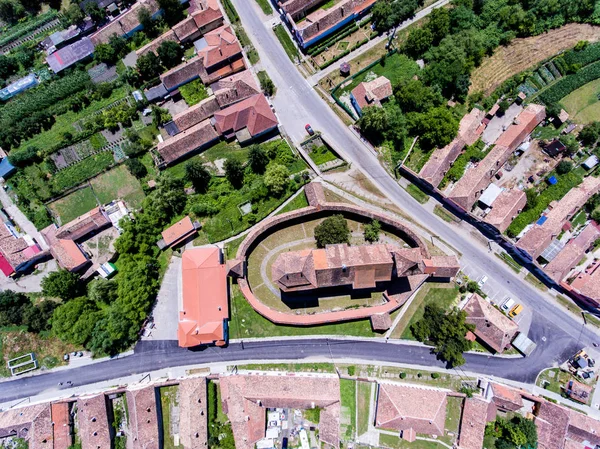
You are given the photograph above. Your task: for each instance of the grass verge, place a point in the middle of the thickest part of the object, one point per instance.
(417, 193)
(286, 42)
(536, 282)
(363, 406)
(508, 260)
(445, 215)
(265, 6)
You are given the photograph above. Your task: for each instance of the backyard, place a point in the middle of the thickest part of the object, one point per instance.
(118, 183)
(363, 406)
(73, 205)
(169, 403)
(583, 104)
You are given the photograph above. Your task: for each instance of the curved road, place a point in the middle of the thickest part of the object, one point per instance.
(151, 356)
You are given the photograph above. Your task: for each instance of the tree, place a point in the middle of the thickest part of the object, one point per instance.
(149, 66)
(414, 96)
(258, 159)
(439, 24)
(386, 123)
(102, 290)
(266, 84)
(146, 21)
(590, 134)
(96, 13)
(564, 167)
(119, 45)
(503, 106)
(11, 11)
(136, 168)
(104, 53)
(160, 116)
(74, 320)
(571, 144)
(234, 172)
(37, 318)
(172, 10)
(61, 284)
(73, 14)
(13, 306)
(198, 175)
(418, 42)
(372, 231)
(277, 178)
(388, 13)
(8, 66)
(170, 53)
(436, 128)
(331, 231)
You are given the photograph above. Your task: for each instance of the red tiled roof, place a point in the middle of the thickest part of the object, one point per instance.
(32, 423)
(192, 139)
(143, 418)
(61, 428)
(472, 425)
(179, 231)
(505, 208)
(235, 88)
(67, 253)
(182, 74)
(83, 225)
(193, 413)
(203, 319)
(222, 44)
(253, 113)
(552, 423)
(207, 13)
(506, 398)
(196, 114)
(153, 46)
(442, 266)
(371, 93)
(92, 419)
(186, 29)
(492, 326)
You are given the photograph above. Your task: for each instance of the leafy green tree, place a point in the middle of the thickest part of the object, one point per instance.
(8, 66)
(102, 291)
(258, 159)
(372, 231)
(439, 24)
(136, 168)
(564, 167)
(73, 14)
(119, 45)
(11, 11)
(112, 334)
(266, 85)
(414, 96)
(74, 320)
(590, 134)
(388, 13)
(462, 18)
(146, 21)
(160, 116)
(331, 231)
(198, 175)
(172, 10)
(418, 41)
(436, 128)
(170, 53)
(503, 106)
(61, 284)
(37, 318)
(96, 13)
(277, 178)
(149, 66)
(234, 172)
(13, 306)
(570, 142)
(386, 123)
(104, 53)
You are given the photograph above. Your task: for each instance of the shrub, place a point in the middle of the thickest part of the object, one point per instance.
(351, 370)
(435, 375)
(568, 84)
(136, 168)
(564, 167)
(402, 375)
(331, 231)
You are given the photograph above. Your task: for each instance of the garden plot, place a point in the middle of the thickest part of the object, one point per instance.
(347, 43)
(118, 183)
(73, 205)
(583, 104)
(75, 153)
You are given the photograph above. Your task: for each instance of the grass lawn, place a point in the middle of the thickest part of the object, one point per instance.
(453, 413)
(292, 367)
(417, 158)
(536, 282)
(286, 42)
(552, 379)
(168, 401)
(396, 68)
(64, 122)
(394, 442)
(118, 183)
(73, 205)
(445, 215)
(265, 5)
(508, 260)
(194, 92)
(322, 155)
(417, 193)
(297, 203)
(253, 56)
(363, 406)
(444, 295)
(583, 104)
(348, 400)
(246, 322)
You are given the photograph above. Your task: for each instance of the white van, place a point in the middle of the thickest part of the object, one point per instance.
(482, 281)
(508, 304)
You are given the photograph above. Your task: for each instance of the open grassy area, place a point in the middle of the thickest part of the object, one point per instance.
(286, 42)
(554, 378)
(394, 442)
(348, 400)
(523, 53)
(168, 402)
(443, 295)
(194, 92)
(118, 183)
(445, 215)
(73, 205)
(417, 193)
(298, 202)
(583, 104)
(246, 322)
(453, 414)
(292, 367)
(322, 155)
(536, 282)
(363, 406)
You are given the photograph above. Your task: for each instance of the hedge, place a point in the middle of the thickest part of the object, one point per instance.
(552, 193)
(337, 58)
(332, 40)
(230, 11)
(570, 83)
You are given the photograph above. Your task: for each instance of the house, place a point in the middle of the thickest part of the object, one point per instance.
(220, 53)
(17, 252)
(16, 87)
(62, 435)
(404, 408)
(505, 208)
(234, 88)
(586, 286)
(474, 182)
(126, 23)
(562, 117)
(67, 253)
(469, 130)
(193, 413)
(559, 427)
(94, 430)
(143, 418)
(182, 74)
(204, 309)
(85, 225)
(492, 327)
(554, 148)
(297, 9)
(187, 30)
(536, 239)
(505, 398)
(194, 115)
(207, 15)
(60, 38)
(193, 139)
(477, 412)
(70, 55)
(246, 120)
(245, 399)
(323, 22)
(32, 423)
(177, 233)
(578, 391)
(441, 266)
(572, 252)
(153, 46)
(370, 93)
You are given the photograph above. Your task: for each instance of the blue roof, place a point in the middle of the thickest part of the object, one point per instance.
(552, 180)
(6, 168)
(542, 220)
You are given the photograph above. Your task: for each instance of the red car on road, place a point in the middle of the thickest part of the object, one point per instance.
(309, 130)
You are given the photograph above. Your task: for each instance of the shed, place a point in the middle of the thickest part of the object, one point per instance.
(107, 270)
(554, 148)
(156, 93)
(490, 194)
(552, 180)
(6, 168)
(523, 344)
(590, 162)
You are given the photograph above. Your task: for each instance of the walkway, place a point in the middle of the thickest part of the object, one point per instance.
(20, 219)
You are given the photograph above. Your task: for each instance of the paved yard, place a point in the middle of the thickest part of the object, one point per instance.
(166, 310)
(499, 124)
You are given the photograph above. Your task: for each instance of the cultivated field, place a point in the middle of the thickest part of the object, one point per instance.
(73, 205)
(521, 54)
(583, 104)
(118, 183)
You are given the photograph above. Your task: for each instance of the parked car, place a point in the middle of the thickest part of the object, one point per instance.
(309, 130)
(508, 304)
(515, 310)
(482, 281)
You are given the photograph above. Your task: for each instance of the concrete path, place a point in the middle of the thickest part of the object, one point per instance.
(20, 219)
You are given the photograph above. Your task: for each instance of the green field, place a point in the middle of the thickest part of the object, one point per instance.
(583, 104)
(363, 406)
(286, 42)
(118, 183)
(348, 400)
(73, 205)
(297, 203)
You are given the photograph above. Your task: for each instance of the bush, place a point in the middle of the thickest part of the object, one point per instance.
(402, 375)
(266, 84)
(351, 370)
(136, 168)
(331, 231)
(564, 167)
(435, 375)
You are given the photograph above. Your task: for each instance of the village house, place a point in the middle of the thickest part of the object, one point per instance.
(234, 88)
(193, 413)
(17, 252)
(143, 418)
(207, 15)
(62, 434)
(70, 55)
(153, 46)
(476, 179)
(494, 329)
(203, 303)
(220, 53)
(371, 93)
(246, 120)
(125, 24)
(411, 409)
(505, 208)
(179, 232)
(192, 116)
(477, 412)
(578, 392)
(92, 421)
(32, 423)
(196, 138)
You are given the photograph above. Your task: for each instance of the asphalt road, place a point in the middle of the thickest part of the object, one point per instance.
(151, 356)
(297, 104)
